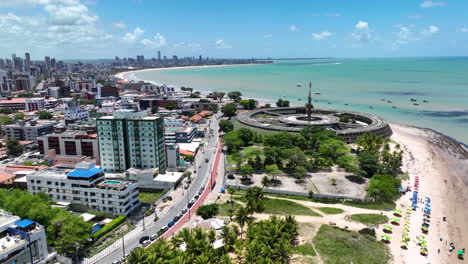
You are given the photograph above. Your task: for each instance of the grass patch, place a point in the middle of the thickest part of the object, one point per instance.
(372, 206)
(305, 249)
(369, 219)
(331, 210)
(284, 207)
(31, 163)
(225, 208)
(337, 246)
(151, 197)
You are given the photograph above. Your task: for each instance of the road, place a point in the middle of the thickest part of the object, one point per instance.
(200, 178)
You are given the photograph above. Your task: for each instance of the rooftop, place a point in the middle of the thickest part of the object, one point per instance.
(84, 173)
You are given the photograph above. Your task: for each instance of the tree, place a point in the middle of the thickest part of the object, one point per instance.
(225, 126)
(258, 163)
(6, 120)
(273, 171)
(383, 188)
(255, 200)
(232, 141)
(284, 140)
(246, 172)
(204, 100)
(267, 105)
(213, 108)
(154, 109)
(20, 116)
(241, 217)
(332, 149)
(219, 96)
(265, 181)
(369, 163)
(246, 135)
(235, 96)
(171, 106)
(249, 104)
(208, 211)
(6, 110)
(371, 143)
(45, 115)
(14, 147)
(300, 173)
(282, 103)
(229, 110)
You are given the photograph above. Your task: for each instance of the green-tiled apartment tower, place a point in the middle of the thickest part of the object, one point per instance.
(130, 139)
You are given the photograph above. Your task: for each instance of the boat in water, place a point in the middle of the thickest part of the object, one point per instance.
(413, 100)
(425, 101)
(389, 102)
(416, 104)
(394, 106)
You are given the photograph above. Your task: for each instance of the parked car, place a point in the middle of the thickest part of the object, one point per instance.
(143, 239)
(206, 160)
(190, 204)
(184, 211)
(176, 218)
(153, 237)
(171, 223)
(146, 243)
(169, 198)
(163, 229)
(197, 196)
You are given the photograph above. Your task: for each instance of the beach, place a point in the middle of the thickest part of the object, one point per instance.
(442, 167)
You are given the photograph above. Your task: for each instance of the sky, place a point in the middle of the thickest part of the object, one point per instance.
(95, 29)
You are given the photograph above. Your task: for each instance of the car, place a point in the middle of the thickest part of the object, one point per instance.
(196, 196)
(163, 229)
(169, 198)
(143, 239)
(153, 237)
(184, 211)
(206, 159)
(200, 192)
(171, 223)
(176, 218)
(116, 262)
(146, 243)
(190, 204)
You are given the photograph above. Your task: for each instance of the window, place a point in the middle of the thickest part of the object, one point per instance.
(62, 184)
(49, 183)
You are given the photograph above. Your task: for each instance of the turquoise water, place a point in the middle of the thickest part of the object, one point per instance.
(359, 83)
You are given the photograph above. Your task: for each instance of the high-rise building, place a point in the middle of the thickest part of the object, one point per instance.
(159, 55)
(27, 62)
(131, 139)
(47, 62)
(13, 59)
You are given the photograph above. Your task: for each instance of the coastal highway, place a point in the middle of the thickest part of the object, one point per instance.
(203, 168)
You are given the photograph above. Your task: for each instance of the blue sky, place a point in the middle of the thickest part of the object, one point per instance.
(69, 29)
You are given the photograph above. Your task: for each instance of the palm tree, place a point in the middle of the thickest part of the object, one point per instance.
(255, 200)
(265, 182)
(281, 253)
(137, 256)
(201, 259)
(225, 259)
(180, 259)
(241, 217)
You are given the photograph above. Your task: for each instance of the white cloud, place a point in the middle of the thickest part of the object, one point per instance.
(332, 14)
(463, 29)
(221, 44)
(362, 32)
(429, 31)
(268, 36)
(157, 41)
(293, 28)
(119, 25)
(428, 4)
(322, 35)
(133, 36)
(415, 16)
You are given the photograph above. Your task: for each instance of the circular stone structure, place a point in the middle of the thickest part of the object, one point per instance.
(347, 124)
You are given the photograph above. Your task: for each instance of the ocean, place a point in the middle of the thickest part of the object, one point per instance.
(383, 86)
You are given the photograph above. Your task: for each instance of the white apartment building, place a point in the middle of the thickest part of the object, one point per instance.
(131, 139)
(76, 113)
(35, 104)
(85, 185)
(16, 235)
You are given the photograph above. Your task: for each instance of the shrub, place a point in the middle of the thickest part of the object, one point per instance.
(208, 211)
(367, 231)
(111, 225)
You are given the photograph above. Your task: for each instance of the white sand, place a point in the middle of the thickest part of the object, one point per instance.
(442, 167)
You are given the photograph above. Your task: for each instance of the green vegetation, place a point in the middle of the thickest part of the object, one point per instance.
(6, 110)
(6, 120)
(219, 96)
(282, 103)
(331, 210)
(109, 227)
(63, 230)
(228, 209)
(45, 115)
(369, 219)
(171, 106)
(14, 147)
(381, 206)
(27, 95)
(19, 116)
(267, 241)
(249, 104)
(208, 211)
(306, 249)
(151, 197)
(225, 125)
(338, 246)
(384, 188)
(229, 110)
(204, 100)
(31, 163)
(235, 96)
(285, 207)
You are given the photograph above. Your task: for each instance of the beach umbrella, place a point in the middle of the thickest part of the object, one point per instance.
(428, 205)
(388, 228)
(393, 219)
(385, 237)
(406, 238)
(404, 243)
(461, 252)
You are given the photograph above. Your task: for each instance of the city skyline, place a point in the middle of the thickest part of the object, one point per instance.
(76, 29)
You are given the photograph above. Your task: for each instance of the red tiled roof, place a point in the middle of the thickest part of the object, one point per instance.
(196, 118)
(23, 168)
(186, 152)
(204, 113)
(14, 100)
(4, 176)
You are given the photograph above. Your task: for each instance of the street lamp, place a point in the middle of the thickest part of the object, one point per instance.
(123, 244)
(188, 200)
(77, 245)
